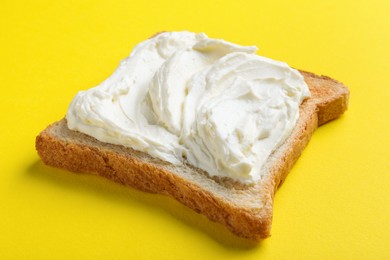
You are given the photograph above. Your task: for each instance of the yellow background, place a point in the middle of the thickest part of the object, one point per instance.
(335, 203)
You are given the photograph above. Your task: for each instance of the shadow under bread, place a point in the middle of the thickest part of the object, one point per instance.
(119, 194)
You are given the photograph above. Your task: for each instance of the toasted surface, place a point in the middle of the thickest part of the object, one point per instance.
(244, 209)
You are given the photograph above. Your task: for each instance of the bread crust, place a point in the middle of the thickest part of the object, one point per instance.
(246, 210)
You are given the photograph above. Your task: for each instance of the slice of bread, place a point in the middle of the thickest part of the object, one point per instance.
(245, 210)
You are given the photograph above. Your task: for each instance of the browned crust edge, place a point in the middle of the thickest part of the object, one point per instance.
(141, 175)
(148, 177)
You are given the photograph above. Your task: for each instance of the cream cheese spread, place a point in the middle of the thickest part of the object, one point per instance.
(185, 98)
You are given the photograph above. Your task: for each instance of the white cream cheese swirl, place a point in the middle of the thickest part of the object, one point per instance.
(185, 98)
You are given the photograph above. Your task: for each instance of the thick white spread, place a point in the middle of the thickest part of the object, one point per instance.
(185, 98)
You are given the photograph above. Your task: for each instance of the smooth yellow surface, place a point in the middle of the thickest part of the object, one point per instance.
(335, 204)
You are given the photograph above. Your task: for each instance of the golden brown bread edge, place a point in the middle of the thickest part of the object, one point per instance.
(244, 210)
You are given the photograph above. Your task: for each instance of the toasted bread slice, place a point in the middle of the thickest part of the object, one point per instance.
(246, 210)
